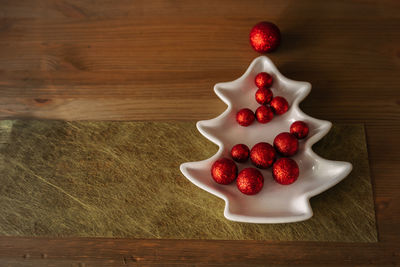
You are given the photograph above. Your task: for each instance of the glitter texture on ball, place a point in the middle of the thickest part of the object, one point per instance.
(263, 80)
(286, 144)
(262, 155)
(285, 171)
(264, 114)
(263, 96)
(299, 129)
(240, 153)
(245, 117)
(279, 105)
(250, 181)
(224, 171)
(265, 37)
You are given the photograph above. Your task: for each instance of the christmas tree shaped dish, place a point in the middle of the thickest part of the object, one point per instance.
(275, 203)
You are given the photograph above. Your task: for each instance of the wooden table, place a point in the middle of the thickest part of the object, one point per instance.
(158, 60)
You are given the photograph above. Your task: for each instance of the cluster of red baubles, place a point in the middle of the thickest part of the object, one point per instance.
(262, 155)
(285, 171)
(264, 37)
(270, 105)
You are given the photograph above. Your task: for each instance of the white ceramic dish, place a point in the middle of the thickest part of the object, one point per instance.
(275, 203)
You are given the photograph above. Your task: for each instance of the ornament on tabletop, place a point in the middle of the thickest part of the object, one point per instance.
(265, 37)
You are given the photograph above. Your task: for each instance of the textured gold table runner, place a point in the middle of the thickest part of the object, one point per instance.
(122, 179)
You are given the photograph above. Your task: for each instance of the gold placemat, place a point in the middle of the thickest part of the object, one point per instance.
(122, 179)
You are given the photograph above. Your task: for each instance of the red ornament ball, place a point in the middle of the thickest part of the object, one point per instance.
(285, 171)
(286, 144)
(279, 105)
(224, 171)
(250, 181)
(264, 114)
(263, 80)
(240, 153)
(262, 155)
(265, 37)
(245, 117)
(263, 96)
(299, 129)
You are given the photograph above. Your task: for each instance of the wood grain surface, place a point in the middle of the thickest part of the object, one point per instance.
(158, 60)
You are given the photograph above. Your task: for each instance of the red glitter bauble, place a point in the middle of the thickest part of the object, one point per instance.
(299, 129)
(224, 171)
(279, 105)
(285, 171)
(265, 37)
(263, 80)
(263, 96)
(262, 155)
(245, 117)
(250, 181)
(264, 114)
(286, 144)
(240, 153)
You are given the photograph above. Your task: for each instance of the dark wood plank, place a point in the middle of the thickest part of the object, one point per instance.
(200, 252)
